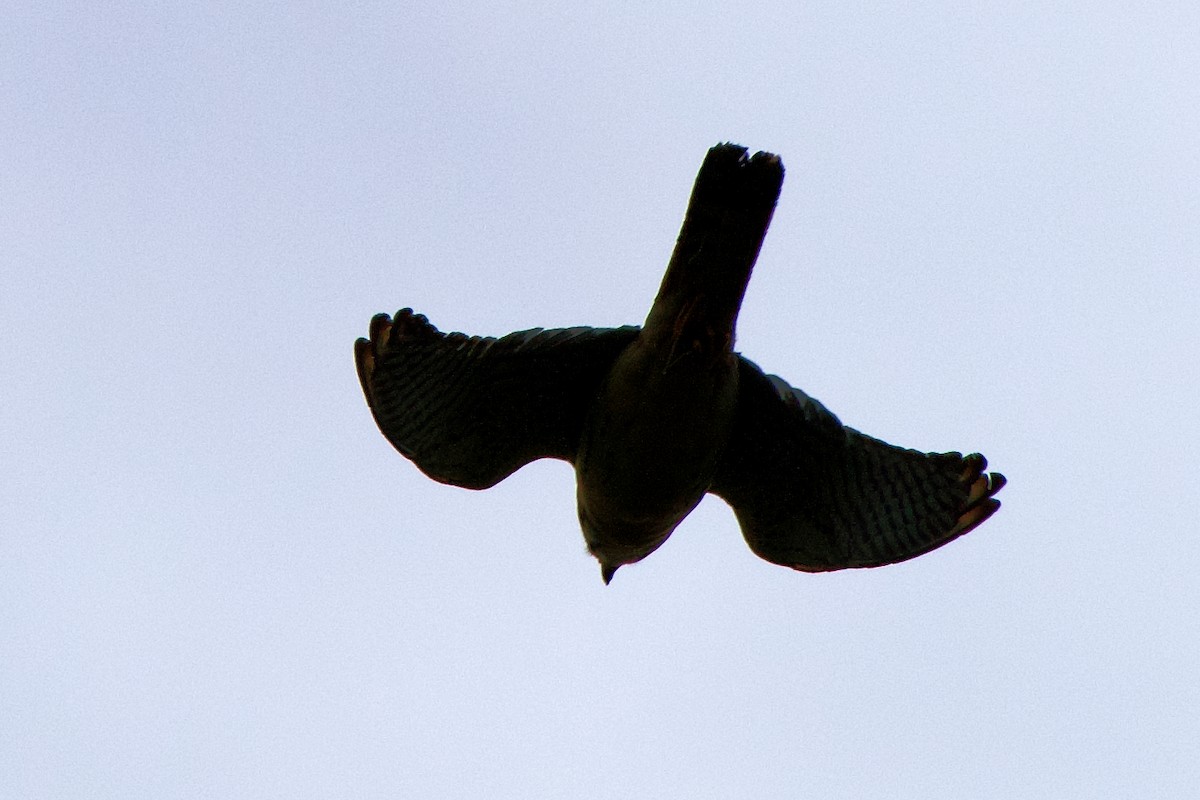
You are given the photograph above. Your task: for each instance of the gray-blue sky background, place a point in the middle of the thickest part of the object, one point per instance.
(218, 580)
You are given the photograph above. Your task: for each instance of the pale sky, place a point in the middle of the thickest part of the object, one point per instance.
(218, 580)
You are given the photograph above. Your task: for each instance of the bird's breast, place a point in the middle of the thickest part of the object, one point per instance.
(651, 442)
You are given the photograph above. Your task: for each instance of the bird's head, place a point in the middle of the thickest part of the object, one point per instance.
(614, 547)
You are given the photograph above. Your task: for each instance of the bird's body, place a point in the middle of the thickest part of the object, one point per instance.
(654, 418)
(650, 448)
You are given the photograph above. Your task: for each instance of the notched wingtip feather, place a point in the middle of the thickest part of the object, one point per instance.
(979, 490)
(973, 466)
(368, 351)
(380, 331)
(412, 327)
(980, 503)
(973, 517)
(364, 362)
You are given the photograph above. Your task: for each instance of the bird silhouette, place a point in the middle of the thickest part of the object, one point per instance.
(653, 418)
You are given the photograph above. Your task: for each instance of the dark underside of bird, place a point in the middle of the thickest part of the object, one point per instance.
(654, 417)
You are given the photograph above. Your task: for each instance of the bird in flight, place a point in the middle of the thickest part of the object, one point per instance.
(653, 418)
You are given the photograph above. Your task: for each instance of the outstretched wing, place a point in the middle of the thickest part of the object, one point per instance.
(814, 495)
(469, 410)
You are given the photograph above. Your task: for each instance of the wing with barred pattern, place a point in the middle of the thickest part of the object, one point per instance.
(814, 495)
(468, 410)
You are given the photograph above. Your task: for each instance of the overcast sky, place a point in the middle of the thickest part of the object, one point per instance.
(218, 580)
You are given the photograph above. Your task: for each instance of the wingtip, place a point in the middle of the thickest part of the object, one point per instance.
(364, 362)
(380, 331)
(973, 517)
(973, 465)
(406, 325)
(980, 503)
(367, 351)
(974, 475)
